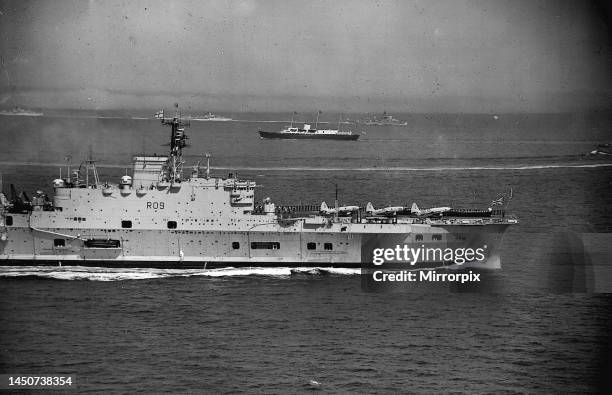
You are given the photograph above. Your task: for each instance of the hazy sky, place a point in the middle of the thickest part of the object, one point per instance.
(347, 55)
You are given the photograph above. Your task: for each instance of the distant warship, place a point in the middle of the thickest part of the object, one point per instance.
(211, 117)
(384, 120)
(21, 111)
(167, 215)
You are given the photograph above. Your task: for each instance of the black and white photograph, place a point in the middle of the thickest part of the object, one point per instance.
(296, 196)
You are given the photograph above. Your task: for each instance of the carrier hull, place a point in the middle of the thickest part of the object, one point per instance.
(298, 245)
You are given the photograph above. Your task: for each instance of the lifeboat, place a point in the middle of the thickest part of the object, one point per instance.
(108, 190)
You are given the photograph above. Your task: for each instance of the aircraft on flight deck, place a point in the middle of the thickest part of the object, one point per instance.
(341, 210)
(427, 212)
(392, 210)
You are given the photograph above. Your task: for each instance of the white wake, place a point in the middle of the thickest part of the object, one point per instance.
(122, 274)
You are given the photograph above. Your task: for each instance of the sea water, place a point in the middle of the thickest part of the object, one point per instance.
(542, 324)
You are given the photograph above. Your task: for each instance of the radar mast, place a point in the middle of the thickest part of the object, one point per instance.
(173, 170)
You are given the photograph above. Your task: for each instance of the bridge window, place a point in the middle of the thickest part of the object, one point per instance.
(9, 220)
(418, 237)
(236, 245)
(171, 224)
(126, 224)
(436, 237)
(311, 246)
(328, 246)
(59, 243)
(265, 245)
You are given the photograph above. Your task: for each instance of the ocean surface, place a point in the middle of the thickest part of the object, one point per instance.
(543, 323)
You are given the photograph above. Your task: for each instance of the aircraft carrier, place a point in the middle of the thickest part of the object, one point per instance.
(173, 216)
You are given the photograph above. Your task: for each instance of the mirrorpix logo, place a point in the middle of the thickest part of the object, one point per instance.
(396, 259)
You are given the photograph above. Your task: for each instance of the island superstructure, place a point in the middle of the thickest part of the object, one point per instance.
(168, 215)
